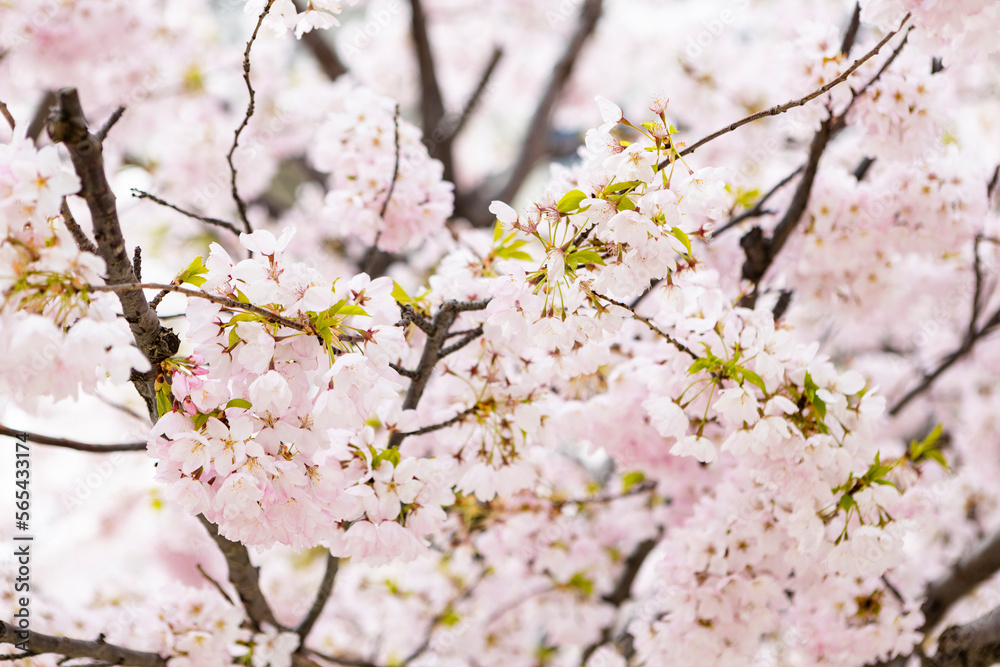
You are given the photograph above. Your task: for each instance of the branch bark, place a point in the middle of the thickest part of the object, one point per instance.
(68, 126)
(446, 315)
(72, 444)
(98, 649)
(244, 577)
(325, 55)
(973, 568)
(975, 644)
(322, 596)
(536, 141)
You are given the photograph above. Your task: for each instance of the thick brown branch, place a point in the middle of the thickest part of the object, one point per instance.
(244, 576)
(973, 568)
(42, 111)
(72, 444)
(78, 648)
(68, 126)
(761, 252)
(623, 588)
(975, 644)
(431, 100)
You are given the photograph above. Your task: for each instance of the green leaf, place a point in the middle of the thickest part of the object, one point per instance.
(626, 204)
(192, 274)
(630, 480)
(754, 379)
(497, 233)
(164, 401)
(570, 201)
(584, 257)
(400, 295)
(682, 237)
(699, 365)
(200, 420)
(239, 403)
(621, 187)
(449, 617)
(582, 584)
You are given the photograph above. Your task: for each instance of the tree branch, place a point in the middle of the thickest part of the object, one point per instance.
(447, 314)
(5, 112)
(326, 57)
(782, 108)
(83, 242)
(652, 327)
(535, 141)
(431, 100)
(445, 424)
(244, 577)
(758, 209)
(241, 206)
(452, 130)
(77, 648)
(68, 126)
(322, 596)
(975, 644)
(973, 568)
(72, 444)
(140, 194)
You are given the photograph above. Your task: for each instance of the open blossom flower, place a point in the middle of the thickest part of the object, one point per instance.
(631, 228)
(273, 648)
(611, 113)
(696, 446)
(41, 178)
(635, 163)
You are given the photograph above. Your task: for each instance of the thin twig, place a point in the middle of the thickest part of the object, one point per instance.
(140, 194)
(83, 242)
(452, 130)
(5, 112)
(322, 596)
(431, 100)
(782, 108)
(758, 208)
(215, 583)
(72, 444)
(241, 206)
(445, 424)
(459, 344)
(221, 300)
(110, 123)
(662, 334)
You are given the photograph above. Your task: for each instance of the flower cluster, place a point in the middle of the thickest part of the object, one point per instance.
(383, 188)
(59, 337)
(264, 428)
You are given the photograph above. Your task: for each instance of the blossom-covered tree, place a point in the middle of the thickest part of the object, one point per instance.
(451, 340)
